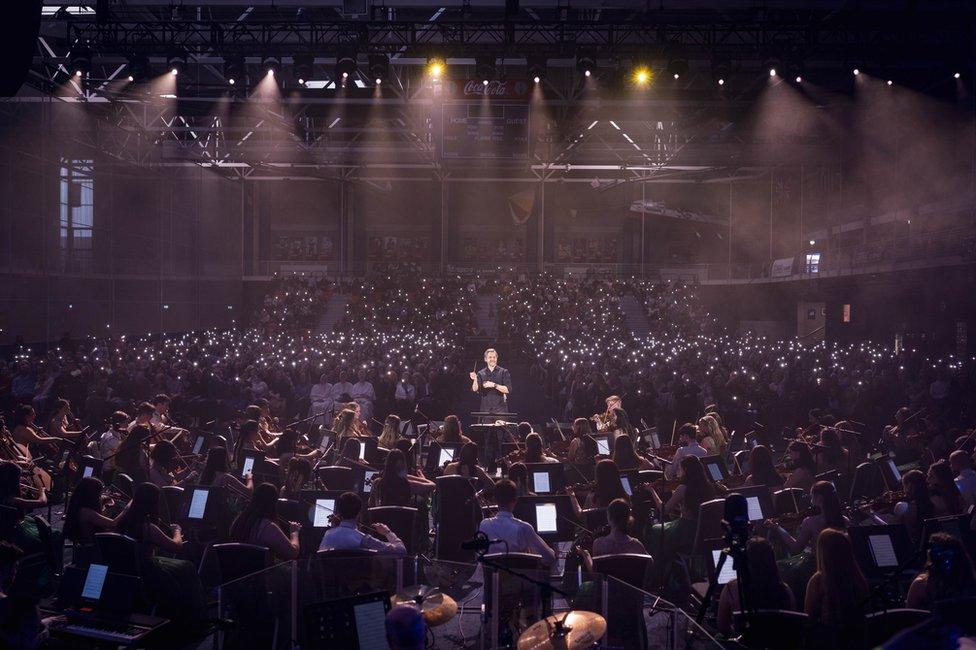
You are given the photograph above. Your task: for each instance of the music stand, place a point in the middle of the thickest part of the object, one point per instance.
(205, 506)
(354, 622)
(437, 452)
(550, 476)
(881, 550)
(715, 467)
(553, 512)
(320, 504)
(89, 466)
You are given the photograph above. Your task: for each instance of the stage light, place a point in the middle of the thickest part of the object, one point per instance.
(436, 67)
(139, 68)
(302, 68)
(799, 79)
(484, 67)
(721, 82)
(587, 73)
(231, 81)
(889, 82)
(772, 72)
(813, 242)
(856, 71)
(642, 75)
(956, 75)
(271, 65)
(586, 64)
(536, 67)
(677, 67)
(536, 79)
(346, 65)
(485, 82)
(131, 78)
(81, 58)
(234, 70)
(174, 71)
(378, 81)
(176, 61)
(78, 73)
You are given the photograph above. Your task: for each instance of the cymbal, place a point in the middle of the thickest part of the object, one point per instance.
(583, 629)
(436, 607)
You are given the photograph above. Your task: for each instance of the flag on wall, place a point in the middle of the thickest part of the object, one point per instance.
(521, 206)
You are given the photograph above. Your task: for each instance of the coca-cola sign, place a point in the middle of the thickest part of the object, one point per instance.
(502, 89)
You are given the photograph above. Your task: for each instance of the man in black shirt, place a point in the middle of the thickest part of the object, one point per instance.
(493, 383)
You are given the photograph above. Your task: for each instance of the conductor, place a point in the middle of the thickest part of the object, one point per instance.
(493, 383)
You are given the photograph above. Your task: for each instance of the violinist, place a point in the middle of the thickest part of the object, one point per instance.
(467, 465)
(287, 448)
(391, 431)
(26, 434)
(803, 468)
(110, 441)
(518, 474)
(828, 514)
(945, 495)
(161, 420)
(917, 506)
(269, 423)
(832, 456)
(607, 421)
(216, 473)
(346, 425)
(257, 525)
(762, 471)
(144, 414)
(297, 474)
(534, 452)
(607, 487)
(84, 516)
(396, 486)
(948, 574)
(577, 452)
(626, 457)
(248, 439)
(687, 446)
(711, 436)
(451, 431)
(164, 464)
(24, 532)
(264, 435)
(346, 535)
(618, 539)
(60, 420)
(132, 457)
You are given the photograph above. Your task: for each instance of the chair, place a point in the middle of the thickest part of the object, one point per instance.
(248, 601)
(235, 560)
(400, 519)
(790, 500)
(33, 579)
(123, 483)
(119, 552)
(867, 483)
(512, 591)
(292, 510)
(337, 478)
(881, 626)
(772, 628)
(742, 461)
(594, 518)
(625, 606)
(9, 516)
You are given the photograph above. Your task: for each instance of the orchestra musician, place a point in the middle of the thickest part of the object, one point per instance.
(391, 431)
(762, 470)
(518, 474)
(534, 450)
(217, 473)
(27, 434)
(257, 525)
(395, 485)
(493, 383)
(607, 420)
(164, 463)
(626, 457)
(144, 414)
(132, 457)
(451, 432)
(687, 446)
(578, 451)
(61, 419)
(297, 473)
(24, 531)
(346, 534)
(85, 514)
(467, 465)
(711, 435)
(802, 466)
(109, 442)
(618, 539)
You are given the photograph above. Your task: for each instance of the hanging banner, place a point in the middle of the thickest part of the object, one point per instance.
(521, 206)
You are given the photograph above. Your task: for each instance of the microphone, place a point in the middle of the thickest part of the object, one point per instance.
(479, 542)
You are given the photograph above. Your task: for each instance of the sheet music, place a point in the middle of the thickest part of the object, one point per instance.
(323, 508)
(447, 456)
(545, 518)
(362, 452)
(727, 571)
(755, 509)
(248, 466)
(715, 471)
(198, 445)
(94, 581)
(894, 469)
(882, 550)
(368, 476)
(540, 480)
(198, 504)
(625, 481)
(88, 471)
(371, 626)
(603, 446)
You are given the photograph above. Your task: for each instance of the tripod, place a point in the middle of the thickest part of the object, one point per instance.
(735, 541)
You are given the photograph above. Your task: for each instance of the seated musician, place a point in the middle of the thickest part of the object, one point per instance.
(577, 452)
(451, 432)
(831, 455)
(85, 514)
(519, 536)
(347, 536)
(248, 439)
(762, 471)
(297, 474)
(57, 426)
(917, 506)
(396, 486)
(216, 473)
(626, 457)
(618, 539)
(665, 540)
(391, 431)
(257, 524)
(687, 446)
(622, 425)
(948, 574)
(711, 436)
(535, 451)
(287, 445)
(164, 463)
(606, 488)
(174, 583)
(25, 433)
(962, 466)
(803, 467)
(467, 465)
(144, 414)
(346, 426)
(518, 474)
(766, 589)
(837, 593)
(14, 493)
(945, 495)
(110, 441)
(132, 458)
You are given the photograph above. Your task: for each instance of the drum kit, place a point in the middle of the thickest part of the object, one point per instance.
(574, 630)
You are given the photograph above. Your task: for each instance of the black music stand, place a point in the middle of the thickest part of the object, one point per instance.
(434, 462)
(881, 551)
(527, 508)
(553, 477)
(345, 622)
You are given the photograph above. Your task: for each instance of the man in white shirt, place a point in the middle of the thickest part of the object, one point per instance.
(364, 395)
(962, 467)
(144, 415)
(322, 400)
(346, 535)
(342, 387)
(405, 394)
(519, 535)
(688, 441)
(109, 442)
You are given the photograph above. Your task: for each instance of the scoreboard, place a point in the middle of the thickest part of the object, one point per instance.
(479, 129)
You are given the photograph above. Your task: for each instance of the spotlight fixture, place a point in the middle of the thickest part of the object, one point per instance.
(813, 242)
(302, 68)
(677, 67)
(234, 70)
(721, 82)
(346, 65)
(139, 69)
(889, 82)
(721, 69)
(436, 67)
(642, 75)
(799, 79)
(176, 61)
(956, 75)
(81, 58)
(586, 64)
(271, 65)
(536, 79)
(379, 67)
(485, 82)
(536, 68)
(856, 71)
(772, 72)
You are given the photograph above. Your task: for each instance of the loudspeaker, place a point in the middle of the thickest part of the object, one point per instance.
(18, 38)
